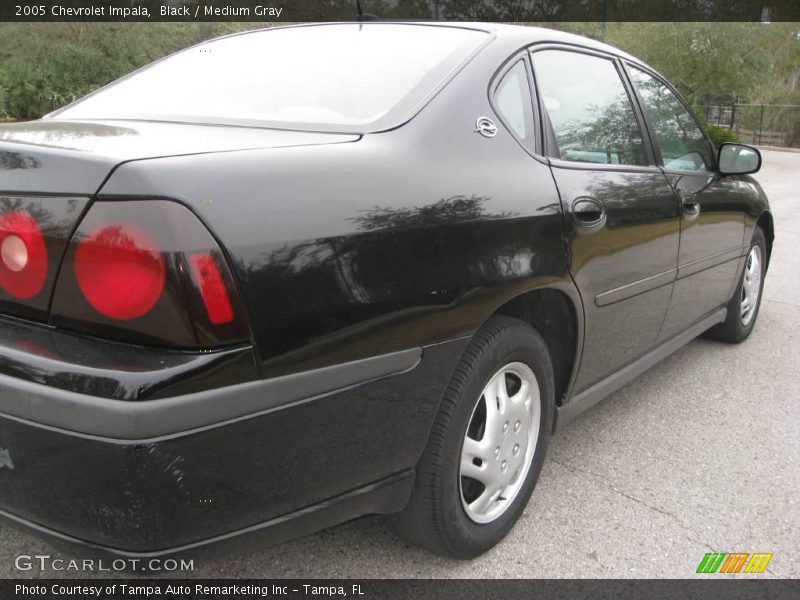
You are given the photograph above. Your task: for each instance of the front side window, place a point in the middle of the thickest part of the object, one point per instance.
(514, 104)
(344, 76)
(589, 108)
(683, 145)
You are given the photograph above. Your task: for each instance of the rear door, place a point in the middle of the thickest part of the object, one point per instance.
(712, 207)
(621, 215)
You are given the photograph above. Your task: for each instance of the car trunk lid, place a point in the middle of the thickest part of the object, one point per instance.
(50, 169)
(52, 156)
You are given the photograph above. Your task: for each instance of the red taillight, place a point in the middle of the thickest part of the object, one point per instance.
(120, 270)
(212, 288)
(148, 271)
(23, 255)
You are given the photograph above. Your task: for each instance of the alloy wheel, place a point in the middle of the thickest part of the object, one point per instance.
(751, 285)
(499, 443)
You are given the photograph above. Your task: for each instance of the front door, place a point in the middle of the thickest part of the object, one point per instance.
(621, 215)
(712, 219)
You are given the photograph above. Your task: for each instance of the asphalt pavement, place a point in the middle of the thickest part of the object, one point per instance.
(700, 454)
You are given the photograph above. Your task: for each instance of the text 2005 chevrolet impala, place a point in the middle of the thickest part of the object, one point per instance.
(289, 277)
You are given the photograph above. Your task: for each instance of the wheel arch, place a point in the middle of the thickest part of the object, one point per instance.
(552, 309)
(767, 225)
(558, 318)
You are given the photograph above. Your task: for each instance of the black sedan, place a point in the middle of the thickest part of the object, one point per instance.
(290, 277)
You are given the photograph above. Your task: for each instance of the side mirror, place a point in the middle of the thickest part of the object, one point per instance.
(738, 159)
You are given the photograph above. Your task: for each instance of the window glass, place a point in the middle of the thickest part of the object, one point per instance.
(514, 104)
(336, 75)
(591, 113)
(683, 145)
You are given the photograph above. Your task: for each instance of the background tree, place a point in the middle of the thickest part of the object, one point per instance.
(46, 65)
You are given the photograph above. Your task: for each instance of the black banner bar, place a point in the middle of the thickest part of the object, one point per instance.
(718, 588)
(450, 10)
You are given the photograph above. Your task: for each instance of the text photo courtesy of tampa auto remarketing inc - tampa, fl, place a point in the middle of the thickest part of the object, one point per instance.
(399, 299)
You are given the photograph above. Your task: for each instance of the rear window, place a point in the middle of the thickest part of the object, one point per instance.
(341, 76)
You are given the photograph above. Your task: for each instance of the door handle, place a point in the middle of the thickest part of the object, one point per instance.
(588, 212)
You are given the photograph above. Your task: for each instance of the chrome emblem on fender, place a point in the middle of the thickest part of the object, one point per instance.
(486, 127)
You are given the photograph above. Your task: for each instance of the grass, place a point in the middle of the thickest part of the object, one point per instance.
(44, 66)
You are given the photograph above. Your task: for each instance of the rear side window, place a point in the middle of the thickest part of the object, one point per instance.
(341, 77)
(589, 108)
(680, 140)
(514, 104)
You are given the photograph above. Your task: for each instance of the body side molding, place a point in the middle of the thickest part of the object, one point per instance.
(641, 286)
(708, 262)
(635, 288)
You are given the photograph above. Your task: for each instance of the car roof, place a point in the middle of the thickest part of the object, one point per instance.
(536, 35)
(509, 33)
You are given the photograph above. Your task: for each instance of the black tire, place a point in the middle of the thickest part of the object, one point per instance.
(434, 517)
(733, 330)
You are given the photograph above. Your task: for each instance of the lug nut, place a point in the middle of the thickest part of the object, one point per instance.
(516, 449)
(497, 451)
(505, 427)
(503, 466)
(517, 425)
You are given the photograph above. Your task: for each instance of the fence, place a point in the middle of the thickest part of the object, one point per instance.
(763, 124)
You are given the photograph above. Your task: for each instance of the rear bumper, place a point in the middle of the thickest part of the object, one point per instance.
(383, 497)
(278, 457)
(154, 420)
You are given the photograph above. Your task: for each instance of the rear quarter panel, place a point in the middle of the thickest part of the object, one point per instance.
(404, 238)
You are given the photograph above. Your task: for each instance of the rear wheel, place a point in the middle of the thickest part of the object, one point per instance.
(487, 444)
(743, 306)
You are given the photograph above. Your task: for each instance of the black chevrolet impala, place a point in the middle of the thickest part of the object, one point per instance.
(290, 277)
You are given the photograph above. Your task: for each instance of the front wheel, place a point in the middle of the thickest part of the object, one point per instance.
(743, 306)
(487, 444)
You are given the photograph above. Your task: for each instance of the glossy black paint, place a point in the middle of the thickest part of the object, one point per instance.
(371, 265)
(155, 495)
(711, 246)
(625, 267)
(108, 369)
(345, 247)
(71, 157)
